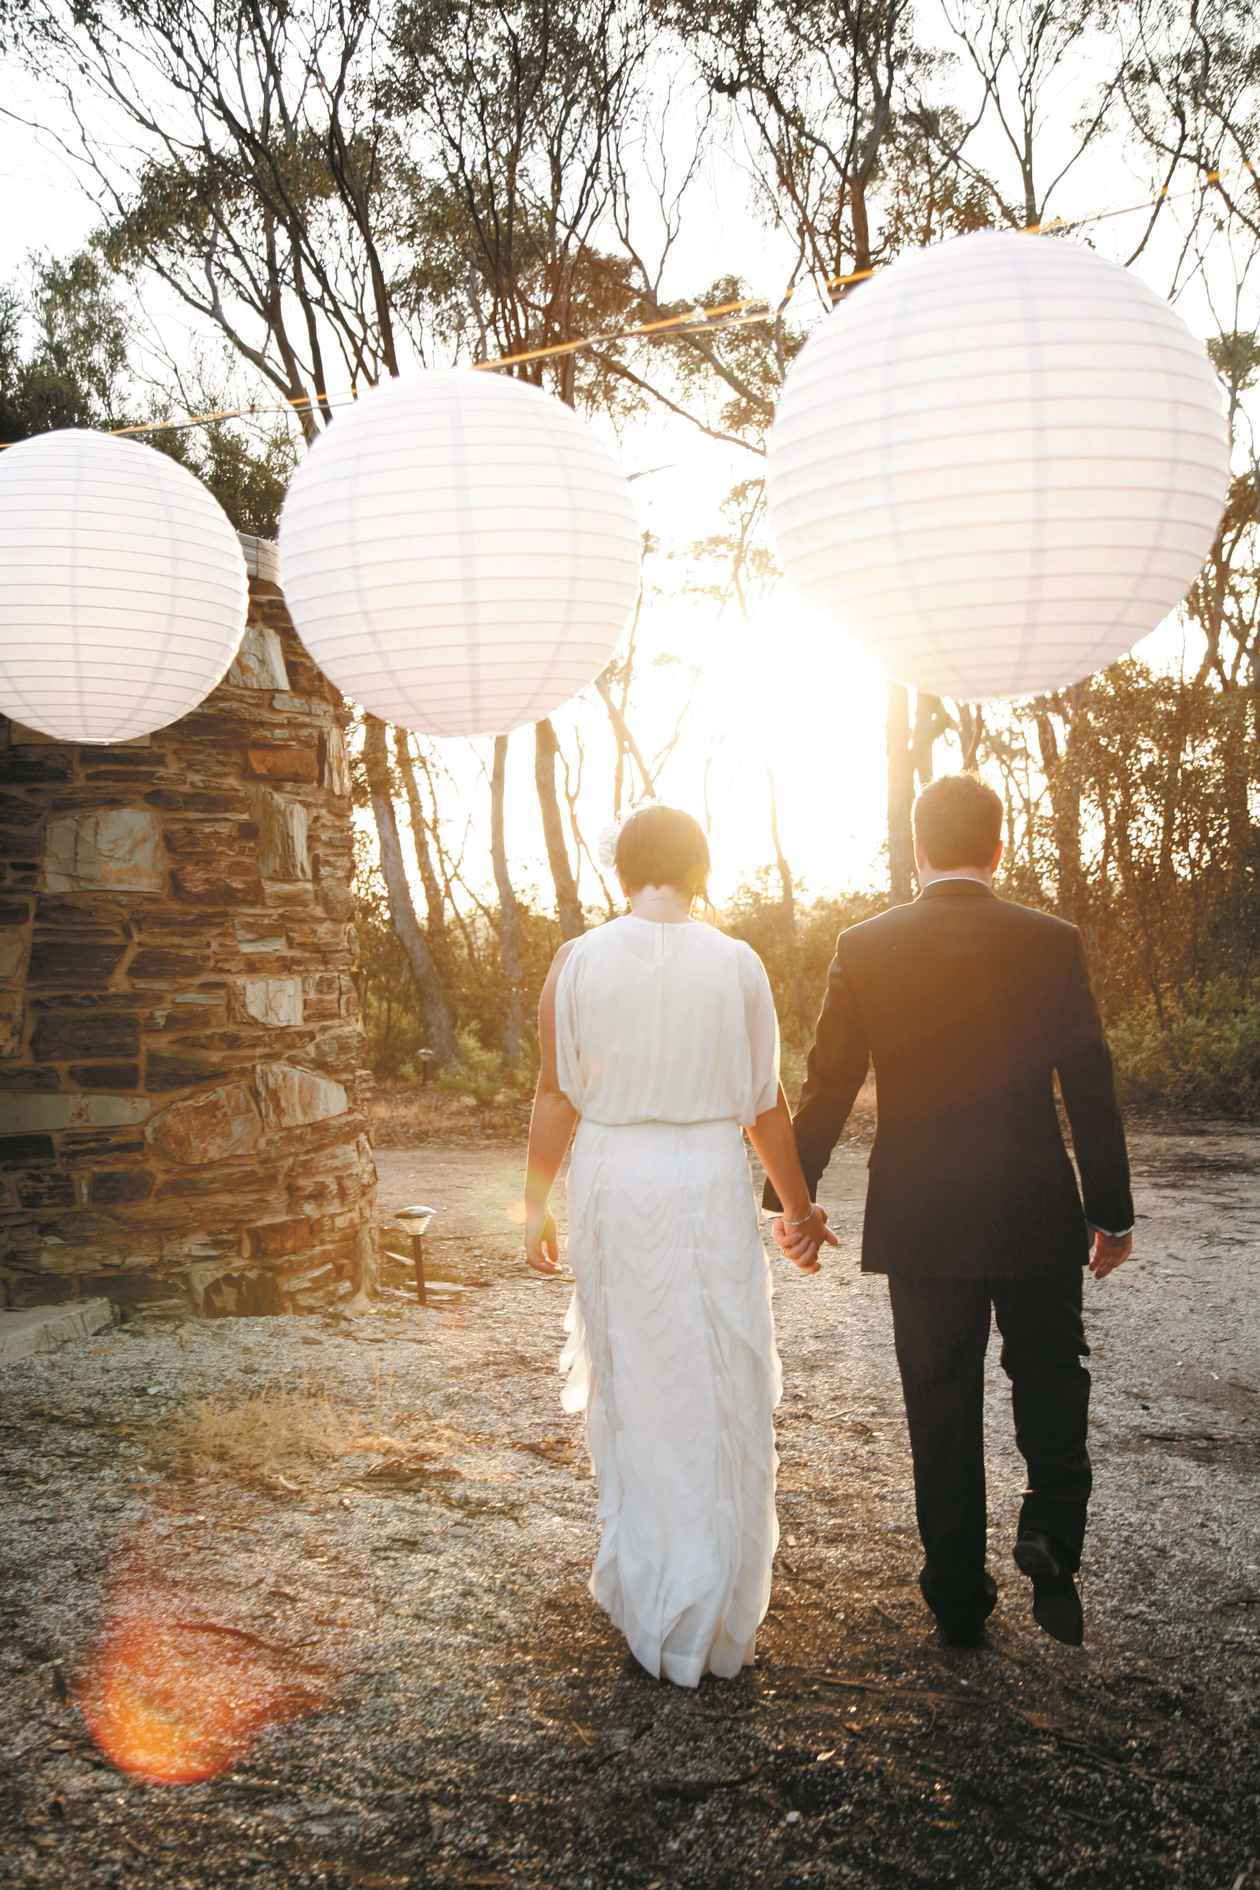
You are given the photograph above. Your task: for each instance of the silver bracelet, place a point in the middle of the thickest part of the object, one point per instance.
(805, 1220)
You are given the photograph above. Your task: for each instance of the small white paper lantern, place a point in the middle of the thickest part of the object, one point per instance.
(459, 552)
(122, 587)
(999, 463)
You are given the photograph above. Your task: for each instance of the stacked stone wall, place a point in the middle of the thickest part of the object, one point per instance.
(181, 1086)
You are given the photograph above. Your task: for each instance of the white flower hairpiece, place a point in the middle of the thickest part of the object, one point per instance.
(606, 844)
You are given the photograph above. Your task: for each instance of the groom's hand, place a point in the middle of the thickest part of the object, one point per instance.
(1110, 1251)
(800, 1244)
(542, 1245)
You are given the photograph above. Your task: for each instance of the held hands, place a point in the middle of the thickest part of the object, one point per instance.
(1110, 1251)
(542, 1245)
(800, 1244)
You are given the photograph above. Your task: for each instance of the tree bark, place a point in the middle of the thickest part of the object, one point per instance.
(435, 1007)
(1064, 787)
(787, 915)
(568, 905)
(509, 914)
(434, 895)
(900, 794)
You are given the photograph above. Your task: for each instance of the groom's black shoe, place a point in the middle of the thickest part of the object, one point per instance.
(961, 1622)
(1056, 1604)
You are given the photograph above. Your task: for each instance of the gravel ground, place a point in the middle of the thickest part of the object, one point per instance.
(448, 1708)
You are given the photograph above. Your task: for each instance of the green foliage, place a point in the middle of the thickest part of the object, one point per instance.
(480, 1073)
(63, 350)
(65, 345)
(1196, 1055)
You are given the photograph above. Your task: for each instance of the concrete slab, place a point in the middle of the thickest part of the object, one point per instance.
(44, 1328)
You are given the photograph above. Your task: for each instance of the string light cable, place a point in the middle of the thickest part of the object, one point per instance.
(717, 319)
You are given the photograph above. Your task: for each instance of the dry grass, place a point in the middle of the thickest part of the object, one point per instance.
(284, 1435)
(405, 1116)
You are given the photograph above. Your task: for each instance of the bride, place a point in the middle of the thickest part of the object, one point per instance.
(659, 1043)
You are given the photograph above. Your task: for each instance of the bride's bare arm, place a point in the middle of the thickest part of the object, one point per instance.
(551, 1127)
(774, 1139)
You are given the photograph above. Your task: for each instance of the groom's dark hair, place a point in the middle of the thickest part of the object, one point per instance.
(662, 846)
(958, 822)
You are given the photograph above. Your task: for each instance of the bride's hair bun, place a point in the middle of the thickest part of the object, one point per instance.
(662, 846)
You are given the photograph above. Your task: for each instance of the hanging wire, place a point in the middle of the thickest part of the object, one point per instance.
(715, 320)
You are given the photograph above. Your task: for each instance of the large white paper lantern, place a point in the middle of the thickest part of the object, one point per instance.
(459, 552)
(999, 463)
(122, 587)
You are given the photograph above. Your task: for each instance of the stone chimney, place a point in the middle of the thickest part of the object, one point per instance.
(181, 1091)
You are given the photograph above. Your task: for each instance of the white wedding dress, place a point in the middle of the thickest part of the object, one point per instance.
(667, 1042)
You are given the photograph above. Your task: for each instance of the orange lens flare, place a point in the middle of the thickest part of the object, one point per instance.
(179, 1702)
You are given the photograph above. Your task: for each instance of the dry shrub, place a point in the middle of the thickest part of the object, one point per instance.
(282, 1434)
(403, 1115)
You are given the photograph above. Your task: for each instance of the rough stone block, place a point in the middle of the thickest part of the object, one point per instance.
(34, 764)
(62, 1035)
(259, 662)
(11, 1014)
(119, 849)
(282, 836)
(293, 1097)
(185, 1069)
(26, 1151)
(12, 953)
(337, 1050)
(30, 1077)
(208, 1128)
(105, 1075)
(273, 1001)
(118, 1186)
(89, 1148)
(259, 935)
(198, 801)
(284, 764)
(26, 1114)
(277, 1238)
(16, 812)
(44, 1328)
(335, 769)
(156, 964)
(46, 1188)
(335, 898)
(83, 959)
(19, 846)
(224, 881)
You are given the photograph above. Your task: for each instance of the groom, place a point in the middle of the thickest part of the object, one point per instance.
(968, 1006)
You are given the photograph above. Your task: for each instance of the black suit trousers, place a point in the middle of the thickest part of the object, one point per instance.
(941, 1330)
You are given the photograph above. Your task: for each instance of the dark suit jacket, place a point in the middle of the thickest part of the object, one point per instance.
(968, 1005)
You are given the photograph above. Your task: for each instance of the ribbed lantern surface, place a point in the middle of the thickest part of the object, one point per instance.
(459, 552)
(124, 589)
(999, 463)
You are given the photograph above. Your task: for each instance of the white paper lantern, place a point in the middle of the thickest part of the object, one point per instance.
(459, 552)
(999, 463)
(122, 587)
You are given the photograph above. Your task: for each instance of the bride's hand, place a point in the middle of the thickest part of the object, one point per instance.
(800, 1244)
(542, 1245)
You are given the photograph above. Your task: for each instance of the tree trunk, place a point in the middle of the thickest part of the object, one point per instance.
(900, 794)
(568, 905)
(434, 1005)
(1063, 783)
(800, 1019)
(434, 896)
(509, 914)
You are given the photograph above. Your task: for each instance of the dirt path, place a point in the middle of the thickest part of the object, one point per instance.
(420, 1586)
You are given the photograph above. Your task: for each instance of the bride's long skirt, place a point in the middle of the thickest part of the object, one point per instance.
(671, 1355)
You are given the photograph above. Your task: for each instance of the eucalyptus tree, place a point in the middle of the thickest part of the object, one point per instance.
(524, 109)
